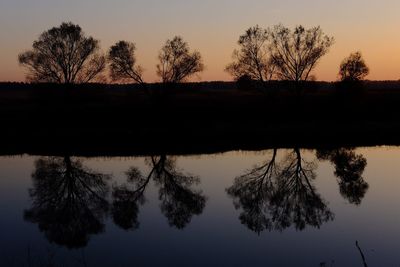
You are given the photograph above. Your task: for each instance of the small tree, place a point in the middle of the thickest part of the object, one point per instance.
(296, 53)
(177, 63)
(64, 55)
(353, 68)
(252, 60)
(123, 62)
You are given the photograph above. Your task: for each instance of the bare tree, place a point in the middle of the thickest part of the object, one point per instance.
(123, 63)
(353, 68)
(252, 60)
(177, 63)
(295, 54)
(64, 55)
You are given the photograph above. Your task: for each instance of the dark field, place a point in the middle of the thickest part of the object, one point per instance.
(121, 120)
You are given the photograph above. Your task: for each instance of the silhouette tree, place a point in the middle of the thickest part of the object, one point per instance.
(64, 55)
(252, 60)
(296, 53)
(177, 63)
(123, 63)
(69, 201)
(276, 196)
(178, 201)
(349, 168)
(353, 68)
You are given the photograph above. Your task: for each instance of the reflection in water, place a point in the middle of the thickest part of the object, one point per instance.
(253, 192)
(349, 168)
(276, 196)
(296, 200)
(69, 201)
(127, 199)
(179, 202)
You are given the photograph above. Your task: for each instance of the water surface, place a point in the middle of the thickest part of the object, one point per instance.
(285, 207)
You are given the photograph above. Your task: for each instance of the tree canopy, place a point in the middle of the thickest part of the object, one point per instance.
(252, 59)
(177, 63)
(353, 68)
(64, 54)
(279, 53)
(122, 60)
(296, 53)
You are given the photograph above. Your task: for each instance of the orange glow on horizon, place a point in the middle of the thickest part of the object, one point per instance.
(212, 29)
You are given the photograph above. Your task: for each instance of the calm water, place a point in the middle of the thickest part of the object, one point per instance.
(272, 208)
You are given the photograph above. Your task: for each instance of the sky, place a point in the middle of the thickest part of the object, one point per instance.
(211, 27)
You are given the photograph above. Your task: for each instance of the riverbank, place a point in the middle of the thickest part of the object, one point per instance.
(110, 120)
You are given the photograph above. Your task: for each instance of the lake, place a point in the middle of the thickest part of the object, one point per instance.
(282, 207)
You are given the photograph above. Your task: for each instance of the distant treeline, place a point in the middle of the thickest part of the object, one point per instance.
(204, 86)
(66, 55)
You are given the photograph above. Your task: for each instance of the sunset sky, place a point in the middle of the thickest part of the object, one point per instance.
(209, 26)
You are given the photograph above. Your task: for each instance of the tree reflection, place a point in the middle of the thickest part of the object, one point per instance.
(296, 200)
(69, 201)
(179, 202)
(127, 199)
(276, 196)
(253, 192)
(349, 168)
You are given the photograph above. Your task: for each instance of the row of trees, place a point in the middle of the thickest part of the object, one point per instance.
(65, 54)
(281, 54)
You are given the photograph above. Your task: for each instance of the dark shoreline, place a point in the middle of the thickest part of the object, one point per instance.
(124, 120)
(91, 145)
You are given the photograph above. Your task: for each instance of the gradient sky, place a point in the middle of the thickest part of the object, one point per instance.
(209, 26)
